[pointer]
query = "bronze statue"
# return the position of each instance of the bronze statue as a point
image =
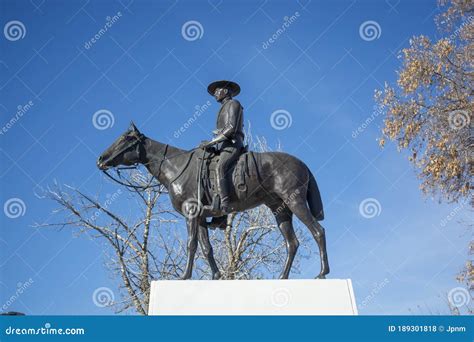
(280, 181)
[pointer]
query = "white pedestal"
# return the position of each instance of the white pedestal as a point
(252, 297)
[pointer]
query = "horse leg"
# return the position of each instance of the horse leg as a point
(284, 220)
(319, 235)
(192, 225)
(299, 207)
(206, 248)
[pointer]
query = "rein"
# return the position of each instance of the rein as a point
(129, 185)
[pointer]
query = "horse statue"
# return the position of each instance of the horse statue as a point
(278, 180)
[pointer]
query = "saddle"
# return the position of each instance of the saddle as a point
(207, 177)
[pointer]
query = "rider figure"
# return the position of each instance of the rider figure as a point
(228, 136)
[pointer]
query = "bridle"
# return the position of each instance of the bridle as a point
(137, 142)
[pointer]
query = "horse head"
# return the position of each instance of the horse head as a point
(126, 150)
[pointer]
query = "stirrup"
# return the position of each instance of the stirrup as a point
(215, 205)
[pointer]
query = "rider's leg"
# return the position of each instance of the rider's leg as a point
(222, 184)
(226, 157)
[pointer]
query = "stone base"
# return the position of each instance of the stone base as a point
(252, 297)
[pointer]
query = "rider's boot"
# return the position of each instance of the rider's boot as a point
(218, 222)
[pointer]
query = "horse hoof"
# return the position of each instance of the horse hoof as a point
(321, 276)
(216, 276)
(184, 277)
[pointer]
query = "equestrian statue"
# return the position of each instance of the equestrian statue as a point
(221, 177)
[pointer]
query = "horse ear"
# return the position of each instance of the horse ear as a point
(133, 127)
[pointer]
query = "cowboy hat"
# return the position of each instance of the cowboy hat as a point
(233, 87)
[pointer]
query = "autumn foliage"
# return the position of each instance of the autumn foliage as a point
(430, 109)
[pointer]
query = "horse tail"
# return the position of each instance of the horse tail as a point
(314, 198)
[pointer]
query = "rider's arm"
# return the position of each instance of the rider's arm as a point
(217, 139)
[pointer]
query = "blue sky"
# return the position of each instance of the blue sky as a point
(320, 70)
